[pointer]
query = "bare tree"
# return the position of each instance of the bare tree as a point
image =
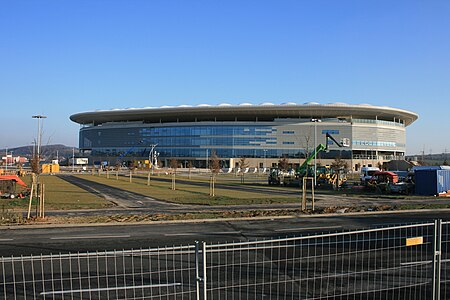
(243, 165)
(307, 142)
(339, 164)
(215, 168)
(340, 168)
(173, 163)
(283, 163)
(190, 165)
(35, 165)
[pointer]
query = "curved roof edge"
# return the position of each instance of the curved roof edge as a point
(264, 110)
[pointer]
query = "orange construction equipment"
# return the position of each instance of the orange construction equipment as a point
(14, 178)
(8, 187)
(384, 176)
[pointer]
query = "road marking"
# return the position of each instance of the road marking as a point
(89, 237)
(308, 228)
(201, 233)
(6, 240)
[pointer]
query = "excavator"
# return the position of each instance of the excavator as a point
(8, 187)
(278, 177)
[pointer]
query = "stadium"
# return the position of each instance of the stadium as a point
(261, 133)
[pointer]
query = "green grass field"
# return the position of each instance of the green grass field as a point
(59, 195)
(190, 194)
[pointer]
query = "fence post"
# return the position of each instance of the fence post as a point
(204, 271)
(197, 272)
(437, 260)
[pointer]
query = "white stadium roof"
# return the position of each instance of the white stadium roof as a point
(244, 112)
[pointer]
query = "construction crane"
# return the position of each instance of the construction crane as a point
(303, 169)
(277, 177)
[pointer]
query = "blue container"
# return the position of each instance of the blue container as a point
(431, 182)
(420, 168)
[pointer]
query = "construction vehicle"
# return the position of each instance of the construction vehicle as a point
(327, 177)
(278, 177)
(367, 174)
(389, 182)
(8, 187)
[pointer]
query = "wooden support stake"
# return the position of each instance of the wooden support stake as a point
(210, 186)
(40, 200)
(37, 198)
(304, 190)
(31, 198)
(173, 182)
(304, 195)
(43, 200)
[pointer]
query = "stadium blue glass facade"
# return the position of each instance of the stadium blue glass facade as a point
(188, 141)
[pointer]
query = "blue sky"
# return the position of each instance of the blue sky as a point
(58, 58)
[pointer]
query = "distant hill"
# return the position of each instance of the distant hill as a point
(47, 151)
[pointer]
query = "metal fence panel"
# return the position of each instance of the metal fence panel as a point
(445, 261)
(399, 262)
(369, 264)
(163, 273)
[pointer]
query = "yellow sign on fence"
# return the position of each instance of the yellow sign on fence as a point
(414, 241)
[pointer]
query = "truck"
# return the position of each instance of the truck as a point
(367, 173)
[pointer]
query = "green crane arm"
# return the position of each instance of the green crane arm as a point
(304, 165)
(321, 147)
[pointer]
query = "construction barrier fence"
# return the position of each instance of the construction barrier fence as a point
(395, 262)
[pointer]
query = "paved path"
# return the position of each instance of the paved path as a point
(123, 199)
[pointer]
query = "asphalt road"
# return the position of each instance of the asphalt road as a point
(23, 240)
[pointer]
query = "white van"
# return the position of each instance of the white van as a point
(367, 173)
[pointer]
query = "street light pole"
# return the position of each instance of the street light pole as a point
(39, 117)
(314, 151)
(315, 156)
(150, 155)
(37, 183)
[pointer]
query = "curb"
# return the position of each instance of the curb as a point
(40, 226)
